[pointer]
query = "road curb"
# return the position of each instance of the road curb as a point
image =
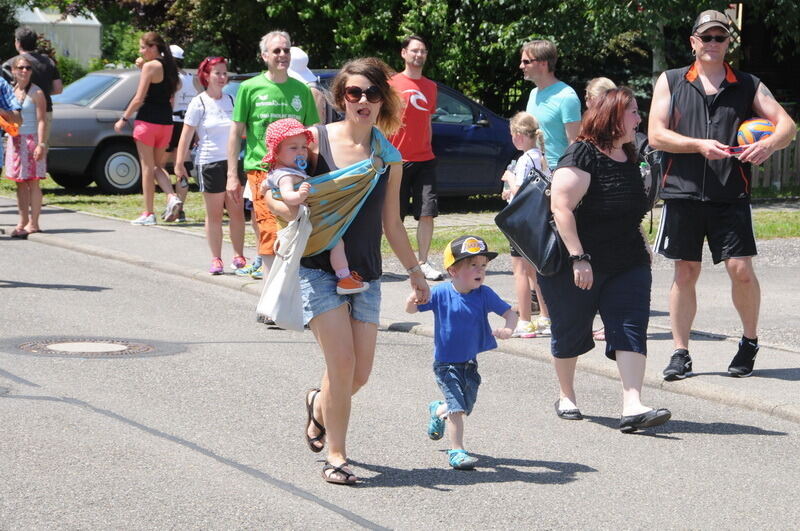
(227, 281)
(703, 390)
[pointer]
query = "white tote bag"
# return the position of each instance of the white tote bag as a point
(280, 298)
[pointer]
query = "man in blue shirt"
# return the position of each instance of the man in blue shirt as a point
(554, 103)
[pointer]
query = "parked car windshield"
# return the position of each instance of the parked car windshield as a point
(84, 90)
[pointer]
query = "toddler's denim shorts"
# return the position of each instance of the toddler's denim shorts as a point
(318, 290)
(459, 383)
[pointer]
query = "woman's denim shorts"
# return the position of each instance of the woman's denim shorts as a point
(318, 290)
(459, 383)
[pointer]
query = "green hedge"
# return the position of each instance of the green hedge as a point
(70, 69)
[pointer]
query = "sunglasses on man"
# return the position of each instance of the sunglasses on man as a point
(715, 38)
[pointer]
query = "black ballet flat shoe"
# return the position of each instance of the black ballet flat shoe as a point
(568, 414)
(648, 419)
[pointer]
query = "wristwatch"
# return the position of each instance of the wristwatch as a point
(579, 257)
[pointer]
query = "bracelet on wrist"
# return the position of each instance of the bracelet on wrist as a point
(580, 258)
(413, 269)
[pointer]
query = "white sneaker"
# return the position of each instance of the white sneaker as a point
(524, 329)
(429, 272)
(145, 219)
(543, 327)
(173, 208)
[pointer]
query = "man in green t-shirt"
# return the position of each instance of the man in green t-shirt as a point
(260, 101)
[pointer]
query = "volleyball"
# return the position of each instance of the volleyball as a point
(754, 130)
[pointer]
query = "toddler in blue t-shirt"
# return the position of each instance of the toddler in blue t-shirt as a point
(461, 308)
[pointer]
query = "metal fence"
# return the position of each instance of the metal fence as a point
(780, 170)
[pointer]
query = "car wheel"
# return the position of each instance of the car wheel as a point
(72, 182)
(117, 169)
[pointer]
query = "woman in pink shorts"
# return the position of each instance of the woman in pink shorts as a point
(152, 129)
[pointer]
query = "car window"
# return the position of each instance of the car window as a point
(450, 110)
(231, 88)
(84, 90)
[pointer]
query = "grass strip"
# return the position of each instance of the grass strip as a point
(768, 224)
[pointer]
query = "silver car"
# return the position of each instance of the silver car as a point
(83, 144)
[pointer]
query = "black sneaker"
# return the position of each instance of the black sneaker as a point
(181, 217)
(680, 365)
(742, 364)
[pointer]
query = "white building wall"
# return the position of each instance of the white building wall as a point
(75, 37)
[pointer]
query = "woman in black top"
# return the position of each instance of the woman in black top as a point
(598, 203)
(346, 327)
(152, 129)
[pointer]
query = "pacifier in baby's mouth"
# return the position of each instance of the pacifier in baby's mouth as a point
(301, 162)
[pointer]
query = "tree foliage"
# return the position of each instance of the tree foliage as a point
(474, 43)
(8, 23)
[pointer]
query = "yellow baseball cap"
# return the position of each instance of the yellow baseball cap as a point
(464, 247)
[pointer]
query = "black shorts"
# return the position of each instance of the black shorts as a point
(213, 177)
(623, 300)
(685, 223)
(513, 250)
(177, 128)
(418, 189)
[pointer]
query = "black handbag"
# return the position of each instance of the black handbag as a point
(528, 223)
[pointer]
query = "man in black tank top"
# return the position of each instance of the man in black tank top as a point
(694, 118)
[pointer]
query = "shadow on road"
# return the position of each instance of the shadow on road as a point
(685, 426)
(75, 231)
(489, 470)
(667, 336)
(71, 287)
(789, 374)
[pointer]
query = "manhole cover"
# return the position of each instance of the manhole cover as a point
(87, 348)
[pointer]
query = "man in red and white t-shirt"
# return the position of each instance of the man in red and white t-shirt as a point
(418, 189)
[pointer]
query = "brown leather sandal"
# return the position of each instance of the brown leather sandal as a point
(329, 472)
(309, 419)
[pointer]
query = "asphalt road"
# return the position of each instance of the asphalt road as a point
(207, 433)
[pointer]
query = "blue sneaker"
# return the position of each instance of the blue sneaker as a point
(461, 460)
(248, 270)
(435, 424)
(258, 274)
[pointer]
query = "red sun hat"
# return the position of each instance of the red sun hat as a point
(280, 130)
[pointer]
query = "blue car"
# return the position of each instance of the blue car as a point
(472, 144)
